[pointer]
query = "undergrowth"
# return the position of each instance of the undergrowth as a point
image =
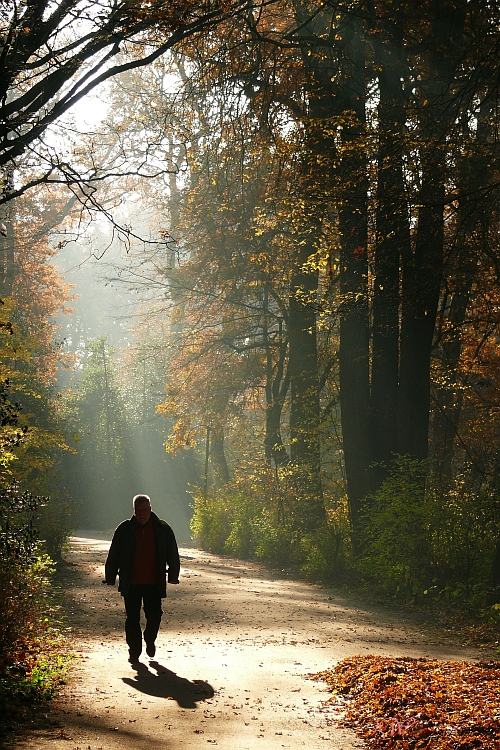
(33, 657)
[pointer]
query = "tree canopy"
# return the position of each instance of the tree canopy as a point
(54, 54)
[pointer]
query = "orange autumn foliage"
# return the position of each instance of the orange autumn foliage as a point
(410, 704)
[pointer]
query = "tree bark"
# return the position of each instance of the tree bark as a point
(304, 393)
(276, 389)
(392, 243)
(303, 365)
(495, 571)
(219, 463)
(354, 360)
(7, 237)
(422, 271)
(473, 217)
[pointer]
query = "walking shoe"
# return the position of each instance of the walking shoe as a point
(133, 656)
(150, 649)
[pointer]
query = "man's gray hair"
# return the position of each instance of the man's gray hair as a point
(141, 499)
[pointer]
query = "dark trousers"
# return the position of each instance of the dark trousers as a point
(150, 596)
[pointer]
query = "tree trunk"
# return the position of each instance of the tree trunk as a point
(422, 272)
(421, 288)
(7, 238)
(219, 463)
(304, 394)
(392, 243)
(474, 217)
(276, 389)
(303, 366)
(354, 365)
(495, 572)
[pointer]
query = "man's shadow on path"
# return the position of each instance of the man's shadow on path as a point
(167, 684)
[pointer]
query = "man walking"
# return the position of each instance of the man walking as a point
(142, 549)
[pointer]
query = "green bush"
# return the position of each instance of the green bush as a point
(23, 601)
(398, 523)
(242, 539)
(211, 521)
(327, 551)
(276, 543)
(258, 517)
(23, 572)
(24, 685)
(464, 536)
(54, 525)
(31, 662)
(247, 519)
(417, 541)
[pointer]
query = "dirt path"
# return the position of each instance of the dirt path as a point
(233, 651)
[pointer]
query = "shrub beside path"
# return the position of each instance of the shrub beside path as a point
(235, 648)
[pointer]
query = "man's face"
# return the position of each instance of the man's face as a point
(142, 512)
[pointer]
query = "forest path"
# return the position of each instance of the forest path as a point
(234, 649)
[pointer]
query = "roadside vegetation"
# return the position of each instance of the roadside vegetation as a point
(420, 550)
(33, 655)
(35, 511)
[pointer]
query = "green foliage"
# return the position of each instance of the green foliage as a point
(243, 537)
(11, 433)
(327, 551)
(237, 520)
(55, 524)
(256, 517)
(44, 676)
(417, 541)
(278, 544)
(211, 521)
(23, 573)
(30, 658)
(18, 535)
(24, 589)
(492, 614)
(97, 472)
(466, 528)
(396, 535)
(98, 409)
(35, 678)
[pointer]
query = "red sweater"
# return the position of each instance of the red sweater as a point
(144, 570)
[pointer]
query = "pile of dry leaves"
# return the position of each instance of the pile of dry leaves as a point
(409, 704)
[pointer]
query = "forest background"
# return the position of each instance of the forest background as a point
(296, 204)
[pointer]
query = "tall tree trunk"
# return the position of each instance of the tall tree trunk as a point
(303, 365)
(305, 448)
(354, 366)
(219, 463)
(7, 238)
(304, 392)
(421, 288)
(392, 242)
(422, 272)
(495, 572)
(276, 389)
(106, 401)
(474, 217)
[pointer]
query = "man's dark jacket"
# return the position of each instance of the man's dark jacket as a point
(120, 559)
